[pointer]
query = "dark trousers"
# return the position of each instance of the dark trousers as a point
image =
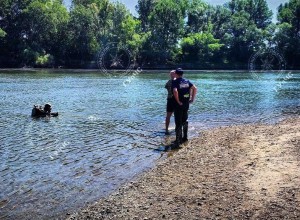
(181, 117)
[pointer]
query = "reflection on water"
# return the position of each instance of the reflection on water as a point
(107, 133)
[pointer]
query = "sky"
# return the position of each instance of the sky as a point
(273, 4)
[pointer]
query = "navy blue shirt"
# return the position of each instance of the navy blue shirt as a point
(183, 87)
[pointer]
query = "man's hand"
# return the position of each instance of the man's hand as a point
(193, 92)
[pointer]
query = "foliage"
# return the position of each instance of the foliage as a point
(43, 24)
(82, 34)
(288, 34)
(45, 33)
(144, 9)
(198, 16)
(199, 47)
(245, 31)
(2, 33)
(166, 26)
(46, 60)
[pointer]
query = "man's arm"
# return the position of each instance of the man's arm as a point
(166, 86)
(193, 92)
(176, 96)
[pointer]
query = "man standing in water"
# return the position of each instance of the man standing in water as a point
(170, 101)
(184, 93)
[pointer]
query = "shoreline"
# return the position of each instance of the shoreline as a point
(76, 70)
(242, 171)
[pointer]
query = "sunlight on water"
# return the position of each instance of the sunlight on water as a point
(107, 133)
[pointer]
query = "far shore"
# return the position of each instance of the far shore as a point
(138, 68)
(237, 172)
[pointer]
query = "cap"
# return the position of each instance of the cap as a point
(179, 71)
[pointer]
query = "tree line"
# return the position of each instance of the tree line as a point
(163, 33)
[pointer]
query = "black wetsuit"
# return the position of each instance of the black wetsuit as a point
(181, 111)
(37, 112)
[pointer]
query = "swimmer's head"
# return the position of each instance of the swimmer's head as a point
(47, 107)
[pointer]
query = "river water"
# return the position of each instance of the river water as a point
(108, 131)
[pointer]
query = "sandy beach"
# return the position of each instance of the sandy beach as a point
(238, 172)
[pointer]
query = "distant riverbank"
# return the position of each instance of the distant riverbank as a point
(147, 70)
(242, 172)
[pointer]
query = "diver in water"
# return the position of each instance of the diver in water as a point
(40, 112)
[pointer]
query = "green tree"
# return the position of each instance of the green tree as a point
(220, 17)
(245, 32)
(11, 22)
(288, 34)
(44, 33)
(259, 13)
(242, 37)
(82, 2)
(198, 16)
(121, 16)
(95, 24)
(129, 35)
(144, 9)
(103, 11)
(44, 23)
(167, 27)
(200, 47)
(82, 31)
(125, 29)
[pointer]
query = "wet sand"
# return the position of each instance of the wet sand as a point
(238, 172)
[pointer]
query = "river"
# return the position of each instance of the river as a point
(110, 128)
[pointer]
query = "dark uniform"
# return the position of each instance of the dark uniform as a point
(181, 111)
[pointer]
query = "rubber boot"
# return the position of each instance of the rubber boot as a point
(178, 140)
(185, 131)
